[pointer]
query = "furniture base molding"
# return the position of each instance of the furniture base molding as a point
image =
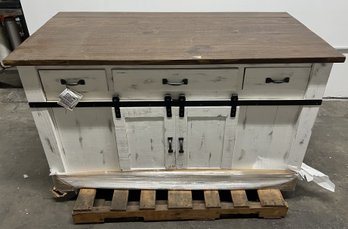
(183, 179)
(98, 205)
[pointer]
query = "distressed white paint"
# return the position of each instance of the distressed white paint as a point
(49, 139)
(95, 87)
(88, 140)
(87, 137)
(31, 83)
(318, 80)
(264, 132)
(218, 83)
(208, 135)
(142, 138)
(302, 135)
(255, 86)
(319, 76)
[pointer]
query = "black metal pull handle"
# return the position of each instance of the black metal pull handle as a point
(285, 80)
(170, 145)
(181, 145)
(72, 82)
(182, 82)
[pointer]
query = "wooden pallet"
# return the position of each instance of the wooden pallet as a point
(96, 206)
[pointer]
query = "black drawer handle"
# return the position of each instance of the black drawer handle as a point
(270, 80)
(170, 145)
(72, 83)
(181, 145)
(182, 82)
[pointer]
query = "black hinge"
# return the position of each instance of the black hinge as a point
(168, 104)
(116, 104)
(182, 100)
(234, 101)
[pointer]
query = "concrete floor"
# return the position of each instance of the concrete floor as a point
(27, 203)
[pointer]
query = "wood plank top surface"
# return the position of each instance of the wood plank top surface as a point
(93, 38)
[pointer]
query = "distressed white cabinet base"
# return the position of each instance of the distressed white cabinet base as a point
(175, 100)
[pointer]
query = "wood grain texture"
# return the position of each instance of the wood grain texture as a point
(271, 197)
(179, 199)
(198, 211)
(147, 199)
(119, 200)
(239, 198)
(85, 200)
(212, 198)
(87, 38)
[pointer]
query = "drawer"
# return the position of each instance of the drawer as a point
(273, 83)
(92, 84)
(217, 83)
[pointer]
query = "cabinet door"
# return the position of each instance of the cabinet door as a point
(142, 138)
(265, 134)
(207, 135)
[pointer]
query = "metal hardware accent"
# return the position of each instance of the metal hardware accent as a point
(270, 80)
(116, 103)
(182, 100)
(72, 83)
(182, 82)
(176, 103)
(181, 145)
(170, 145)
(234, 100)
(168, 104)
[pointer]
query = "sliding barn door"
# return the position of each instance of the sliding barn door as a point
(145, 138)
(205, 137)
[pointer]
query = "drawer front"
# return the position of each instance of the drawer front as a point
(92, 84)
(275, 83)
(194, 83)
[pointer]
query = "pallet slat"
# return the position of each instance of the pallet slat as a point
(239, 198)
(212, 199)
(179, 199)
(270, 197)
(85, 200)
(119, 200)
(179, 205)
(148, 199)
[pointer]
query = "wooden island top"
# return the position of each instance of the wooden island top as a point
(100, 38)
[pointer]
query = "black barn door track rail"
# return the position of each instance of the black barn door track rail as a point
(168, 103)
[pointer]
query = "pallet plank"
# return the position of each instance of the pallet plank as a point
(212, 199)
(271, 197)
(119, 200)
(179, 199)
(179, 206)
(148, 199)
(85, 199)
(239, 198)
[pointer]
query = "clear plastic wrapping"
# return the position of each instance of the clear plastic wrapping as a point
(181, 179)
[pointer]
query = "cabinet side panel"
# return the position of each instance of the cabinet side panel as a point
(318, 80)
(49, 139)
(316, 88)
(302, 135)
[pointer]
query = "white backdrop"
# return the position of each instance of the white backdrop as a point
(329, 19)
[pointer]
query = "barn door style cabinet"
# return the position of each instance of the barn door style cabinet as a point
(184, 100)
